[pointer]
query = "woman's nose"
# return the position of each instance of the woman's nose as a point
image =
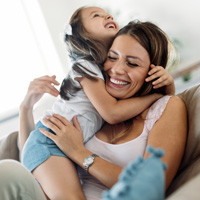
(118, 68)
(109, 17)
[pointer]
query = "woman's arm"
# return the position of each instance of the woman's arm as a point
(169, 133)
(26, 124)
(36, 90)
(112, 110)
(69, 139)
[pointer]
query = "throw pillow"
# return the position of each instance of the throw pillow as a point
(143, 179)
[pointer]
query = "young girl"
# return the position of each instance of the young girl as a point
(83, 94)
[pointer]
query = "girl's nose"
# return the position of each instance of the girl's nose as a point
(109, 17)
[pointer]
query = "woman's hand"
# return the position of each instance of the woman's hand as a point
(163, 78)
(68, 137)
(37, 88)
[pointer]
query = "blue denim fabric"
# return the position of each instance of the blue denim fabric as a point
(39, 148)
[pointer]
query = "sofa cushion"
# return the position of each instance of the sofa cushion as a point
(184, 176)
(190, 165)
(189, 190)
(191, 98)
(8, 147)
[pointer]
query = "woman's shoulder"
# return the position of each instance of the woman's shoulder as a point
(165, 108)
(172, 106)
(176, 99)
(175, 104)
(171, 102)
(167, 102)
(157, 108)
(159, 105)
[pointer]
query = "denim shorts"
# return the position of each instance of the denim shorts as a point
(38, 148)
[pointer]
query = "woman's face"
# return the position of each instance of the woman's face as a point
(99, 24)
(126, 67)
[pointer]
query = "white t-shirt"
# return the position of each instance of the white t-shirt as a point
(79, 105)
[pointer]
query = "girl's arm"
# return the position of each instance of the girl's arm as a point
(112, 110)
(163, 79)
(170, 133)
(36, 90)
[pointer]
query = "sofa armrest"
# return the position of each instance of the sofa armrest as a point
(190, 165)
(8, 147)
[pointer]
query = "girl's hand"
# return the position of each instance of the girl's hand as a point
(37, 88)
(163, 78)
(68, 137)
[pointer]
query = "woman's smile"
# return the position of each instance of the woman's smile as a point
(115, 82)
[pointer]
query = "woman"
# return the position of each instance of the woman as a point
(164, 124)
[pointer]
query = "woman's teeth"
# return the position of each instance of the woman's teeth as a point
(117, 82)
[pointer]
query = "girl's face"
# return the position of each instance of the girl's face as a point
(126, 67)
(99, 24)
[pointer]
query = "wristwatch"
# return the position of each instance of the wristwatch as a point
(88, 161)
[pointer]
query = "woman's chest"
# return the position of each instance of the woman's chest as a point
(118, 154)
(121, 133)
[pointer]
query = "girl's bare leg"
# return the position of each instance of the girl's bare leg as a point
(59, 179)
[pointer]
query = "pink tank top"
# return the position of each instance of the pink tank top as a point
(120, 154)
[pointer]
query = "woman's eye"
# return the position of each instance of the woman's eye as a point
(111, 58)
(132, 64)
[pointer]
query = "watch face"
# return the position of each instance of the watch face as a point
(89, 160)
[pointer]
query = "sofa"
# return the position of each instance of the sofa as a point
(186, 184)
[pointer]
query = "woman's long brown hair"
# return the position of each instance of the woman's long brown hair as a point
(155, 41)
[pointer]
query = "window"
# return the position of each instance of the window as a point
(26, 52)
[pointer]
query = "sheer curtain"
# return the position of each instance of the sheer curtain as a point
(26, 52)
